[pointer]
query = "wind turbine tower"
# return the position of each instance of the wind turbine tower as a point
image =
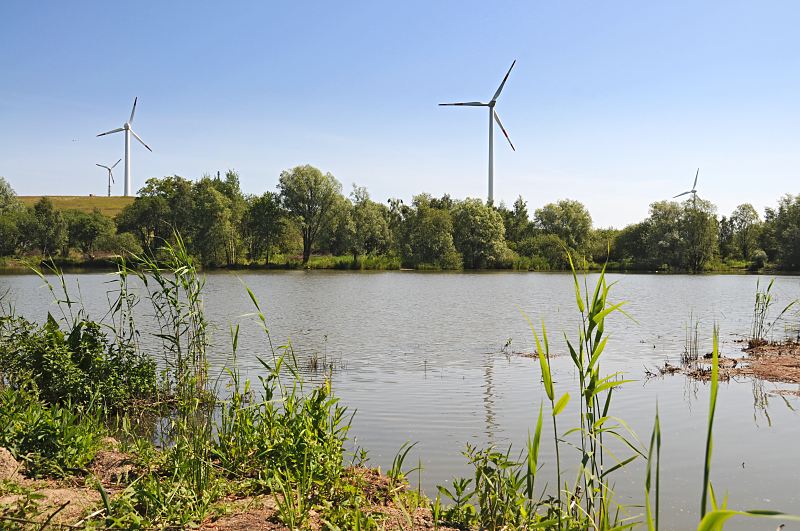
(110, 174)
(493, 117)
(126, 127)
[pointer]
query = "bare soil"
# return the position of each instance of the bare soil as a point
(9, 467)
(774, 362)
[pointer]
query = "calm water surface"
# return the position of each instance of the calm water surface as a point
(420, 357)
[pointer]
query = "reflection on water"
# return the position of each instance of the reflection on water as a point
(488, 402)
(418, 356)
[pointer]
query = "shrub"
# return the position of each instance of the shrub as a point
(55, 440)
(80, 366)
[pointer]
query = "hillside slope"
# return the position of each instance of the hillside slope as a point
(110, 206)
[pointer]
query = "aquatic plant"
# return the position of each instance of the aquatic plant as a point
(691, 345)
(761, 326)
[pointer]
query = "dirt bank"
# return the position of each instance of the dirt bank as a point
(774, 362)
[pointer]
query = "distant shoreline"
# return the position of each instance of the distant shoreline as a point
(13, 266)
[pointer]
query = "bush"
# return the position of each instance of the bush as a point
(81, 366)
(9, 234)
(759, 260)
(123, 243)
(53, 441)
(544, 249)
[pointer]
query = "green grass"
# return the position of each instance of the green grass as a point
(110, 206)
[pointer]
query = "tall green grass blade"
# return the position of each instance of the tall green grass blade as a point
(655, 444)
(715, 520)
(712, 408)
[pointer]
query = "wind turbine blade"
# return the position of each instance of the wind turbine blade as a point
(694, 186)
(115, 164)
(111, 175)
(112, 131)
(468, 104)
(140, 140)
(684, 193)
(106, 167)
(133, 110)
(497, 119)
(500, 88)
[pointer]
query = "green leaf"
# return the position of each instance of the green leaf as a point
(561, 404)
(602, 315)
(608, 385)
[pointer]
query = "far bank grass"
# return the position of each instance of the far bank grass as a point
(109, 206)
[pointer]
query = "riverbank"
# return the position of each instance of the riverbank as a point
(18, 265)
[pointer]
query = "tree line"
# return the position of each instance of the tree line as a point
(309, 217)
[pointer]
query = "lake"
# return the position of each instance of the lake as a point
(420, 357)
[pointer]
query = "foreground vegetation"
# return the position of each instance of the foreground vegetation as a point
(201, 452)
(309, 222)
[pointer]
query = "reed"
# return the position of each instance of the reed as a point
(691, 346)
(761, 326)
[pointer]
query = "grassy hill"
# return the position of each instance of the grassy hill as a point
(110, 206)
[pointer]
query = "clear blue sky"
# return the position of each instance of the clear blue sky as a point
(614, 104)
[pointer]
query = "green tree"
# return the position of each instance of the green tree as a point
(8, 199)
(85, 229)
(429, 236)
(745, 224)
(478, 233)
(567, 219)
(146, 218)
(177, 196)
(700, 232)
(630, 245)
(370, 225)
(337, 236)
(546, 249)
(516, 221)
(727, 247)
(309, 196)
(603, 245)
(215, 241)
(237, 207)
(265, 222)
(786, 227)
(123, 243)
(48, 230)
(664, 237)
(9, 234)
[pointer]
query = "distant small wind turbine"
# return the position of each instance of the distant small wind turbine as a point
(128, 132)
(110, 174)
(492, 118)
(693, 191)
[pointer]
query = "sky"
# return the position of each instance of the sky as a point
(615, 104)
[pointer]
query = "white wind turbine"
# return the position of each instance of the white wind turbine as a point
(110, 174)
(492, 118)
(693, 191)
(128, 132)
